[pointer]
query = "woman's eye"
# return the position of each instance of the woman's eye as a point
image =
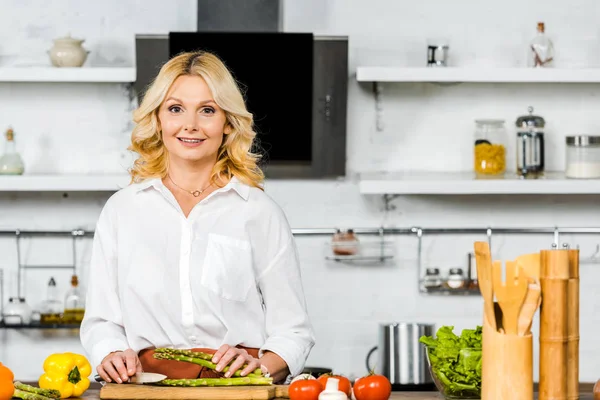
(175, 109)
(208, 110)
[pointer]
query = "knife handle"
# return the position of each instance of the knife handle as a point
(98, 378)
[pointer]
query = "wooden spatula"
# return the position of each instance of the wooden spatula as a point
(529, 307)
(483, 261)
(531, 264)
(510, 295)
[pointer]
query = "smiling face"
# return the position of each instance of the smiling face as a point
(192, 123)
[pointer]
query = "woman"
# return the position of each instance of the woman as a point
(193, 254)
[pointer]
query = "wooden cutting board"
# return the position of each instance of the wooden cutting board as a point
(147, 392)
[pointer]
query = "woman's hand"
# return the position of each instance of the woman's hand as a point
(226, 354)
(118, 366)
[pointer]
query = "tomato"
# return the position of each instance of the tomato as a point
(343, 386)
(305, 389)
(372, 387)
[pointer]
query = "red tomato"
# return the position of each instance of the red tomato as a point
(343, 386)
(372, 387)
(305, 389)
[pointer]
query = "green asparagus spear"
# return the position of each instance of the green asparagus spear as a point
(245, 381)
(189, 353)
(55, 394)
(21, 394)
(208, 364)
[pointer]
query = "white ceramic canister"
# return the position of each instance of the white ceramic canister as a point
(68, 52)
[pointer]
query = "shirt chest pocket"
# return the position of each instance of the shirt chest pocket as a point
(227, 269)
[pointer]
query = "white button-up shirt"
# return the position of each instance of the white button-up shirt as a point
(227, 274)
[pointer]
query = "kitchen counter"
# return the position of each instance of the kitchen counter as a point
(94, 394)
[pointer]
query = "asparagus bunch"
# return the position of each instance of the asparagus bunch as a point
(244, 381)
(199, 358)
(27, 392)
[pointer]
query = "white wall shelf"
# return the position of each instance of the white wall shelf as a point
(63, 183)
(477, 75)
(54, 74)
(465, 183)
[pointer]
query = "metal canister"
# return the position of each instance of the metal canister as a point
(530, 145)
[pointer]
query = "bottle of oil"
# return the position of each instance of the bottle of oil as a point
(52, 308)
(11, 162)
(74, 303)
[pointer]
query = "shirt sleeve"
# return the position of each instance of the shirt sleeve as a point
(289, 331)
(102, 329)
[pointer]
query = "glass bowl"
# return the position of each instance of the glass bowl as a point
(447, 388)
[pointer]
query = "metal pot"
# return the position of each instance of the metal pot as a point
(401, 358)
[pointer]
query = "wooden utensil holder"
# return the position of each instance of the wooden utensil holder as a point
(507, 365)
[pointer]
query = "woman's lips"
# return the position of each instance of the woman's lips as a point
(188, 142)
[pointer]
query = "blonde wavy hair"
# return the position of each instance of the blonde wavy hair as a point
(235, 156)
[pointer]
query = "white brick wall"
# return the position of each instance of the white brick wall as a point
(84, 128)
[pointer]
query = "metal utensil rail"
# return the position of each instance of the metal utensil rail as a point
(380, 231)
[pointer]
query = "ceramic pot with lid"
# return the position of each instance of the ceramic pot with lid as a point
(68, 52)
(530, 145)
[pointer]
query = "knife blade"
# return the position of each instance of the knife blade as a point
(140, 378)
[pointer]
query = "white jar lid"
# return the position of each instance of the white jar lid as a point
(583, 140)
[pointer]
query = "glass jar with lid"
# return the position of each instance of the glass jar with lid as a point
(582, 157)
(456, 279)
(431, 280)
(490, 148)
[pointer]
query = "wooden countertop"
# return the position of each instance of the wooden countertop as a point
(94, 394)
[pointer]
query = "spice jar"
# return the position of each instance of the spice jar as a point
(490, 148)
(456, 279)
(344, 243)
(582, 157)
(530, 145)
(432, 279)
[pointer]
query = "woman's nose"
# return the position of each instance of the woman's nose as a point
(191, 125)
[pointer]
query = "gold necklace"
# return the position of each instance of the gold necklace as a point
(194, 193)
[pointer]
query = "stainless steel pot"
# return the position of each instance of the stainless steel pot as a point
(401, 358)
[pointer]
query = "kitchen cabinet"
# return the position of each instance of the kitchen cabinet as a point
(477, 75)
(66, 75)
(465, 183)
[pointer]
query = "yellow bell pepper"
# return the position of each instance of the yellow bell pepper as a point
(66, 372)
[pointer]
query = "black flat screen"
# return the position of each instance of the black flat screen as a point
(276, 75)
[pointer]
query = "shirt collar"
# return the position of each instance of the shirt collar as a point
(240, 188)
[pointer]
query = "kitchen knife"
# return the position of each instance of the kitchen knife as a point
(139, 378)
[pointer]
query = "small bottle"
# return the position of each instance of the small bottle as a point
(11, 162)
(456, 279)
(332, 391)
(431, 280)
(52, 308)
(344, 243)
(74, 303)
(541, 49)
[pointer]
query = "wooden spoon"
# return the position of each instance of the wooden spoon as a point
(510, 295)
(483, 260)
(529, 307)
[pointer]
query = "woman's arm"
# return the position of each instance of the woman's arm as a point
(273, 362)
(289, 332)
(102, 326)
